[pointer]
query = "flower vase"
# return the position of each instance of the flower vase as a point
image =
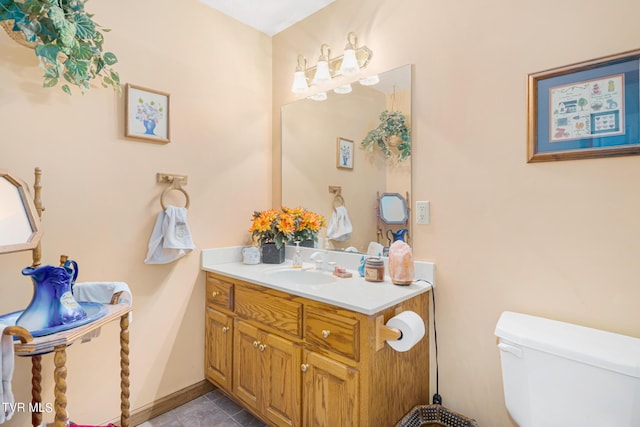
(271, 254)
(309, 243)
(149, 127)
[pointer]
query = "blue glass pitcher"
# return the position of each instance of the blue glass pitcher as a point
(53, 303)
(398, 235)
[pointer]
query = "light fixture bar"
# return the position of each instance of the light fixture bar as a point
(363, 55)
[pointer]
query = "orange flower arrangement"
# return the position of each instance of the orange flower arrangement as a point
(272, 226)
(307, 223)
(285, 224)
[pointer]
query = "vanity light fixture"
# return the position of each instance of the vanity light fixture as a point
(299, 79)
(322, 68)
(353, 61)
(370, 80)
(349, 65)
(344, 89)
(320, 96)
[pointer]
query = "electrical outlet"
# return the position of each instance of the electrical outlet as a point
(422, 212)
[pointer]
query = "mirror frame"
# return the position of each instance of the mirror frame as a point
(401, 200)
(32, 215)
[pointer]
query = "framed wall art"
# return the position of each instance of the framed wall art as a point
(344, 153)
(585, 110)
(146, 114)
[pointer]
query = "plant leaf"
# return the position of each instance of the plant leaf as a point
(48, 51)
(50, 81)
(85, 28)
(65, 89)
(82, 51)
(109, 58)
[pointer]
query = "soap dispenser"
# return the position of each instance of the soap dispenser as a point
(297, 257)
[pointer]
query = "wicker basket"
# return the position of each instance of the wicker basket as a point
(17, 36)
(435, 415)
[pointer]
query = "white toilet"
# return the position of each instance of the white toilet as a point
(564, 375)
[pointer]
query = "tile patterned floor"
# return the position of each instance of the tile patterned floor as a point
(213, 409)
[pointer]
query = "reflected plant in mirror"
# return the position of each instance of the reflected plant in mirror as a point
(392, 134)
(309, 133)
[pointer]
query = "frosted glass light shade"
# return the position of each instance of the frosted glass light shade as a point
(299, 83)
(342, 90)
(370, 80)
(349, 64)
(322, 73)
(320, 96)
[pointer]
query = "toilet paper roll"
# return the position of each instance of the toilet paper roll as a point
(412, 327)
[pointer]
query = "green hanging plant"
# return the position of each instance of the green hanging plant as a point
(66, 41)
(392, 133)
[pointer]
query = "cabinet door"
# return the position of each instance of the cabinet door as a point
(246, 357)
(218, 342)
(330, 390)
(282, 380)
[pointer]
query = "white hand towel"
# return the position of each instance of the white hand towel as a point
(102, 292)
(339, 227)
(6, 392)
(171, 237)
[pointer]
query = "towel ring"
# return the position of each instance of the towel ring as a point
(176, 187)
(338, 201)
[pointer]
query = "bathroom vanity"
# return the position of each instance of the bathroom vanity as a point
(311, 352)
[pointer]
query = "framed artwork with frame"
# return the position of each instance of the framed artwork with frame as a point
(585, 110)
(344, 153)
(146, 114)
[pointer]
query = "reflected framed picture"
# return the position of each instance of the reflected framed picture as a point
(146, 114)
(585, 110)
(344, 153)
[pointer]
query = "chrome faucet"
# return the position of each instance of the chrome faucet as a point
(320, 259)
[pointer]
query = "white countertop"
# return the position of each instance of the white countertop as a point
(352, 293)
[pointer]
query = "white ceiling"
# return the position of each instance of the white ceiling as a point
(268, 16)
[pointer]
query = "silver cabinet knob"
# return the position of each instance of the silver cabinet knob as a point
(215, 294)
(256, 344)
(225, 329)
(304, 367)
(326, 333)
(262, 347)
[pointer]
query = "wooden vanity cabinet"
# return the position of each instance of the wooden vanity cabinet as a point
(331, 395)
(219, 346)
(293, 361)
(267, 374)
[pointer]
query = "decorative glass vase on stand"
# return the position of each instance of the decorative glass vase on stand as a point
(271, 254)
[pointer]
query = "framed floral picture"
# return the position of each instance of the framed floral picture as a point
(146, 114)
(344, 153)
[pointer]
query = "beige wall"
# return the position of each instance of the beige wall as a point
(556, 239)
(100, 192)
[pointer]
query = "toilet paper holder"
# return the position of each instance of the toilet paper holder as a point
(385, 333)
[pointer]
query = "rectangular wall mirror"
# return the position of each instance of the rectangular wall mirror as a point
(310, 131)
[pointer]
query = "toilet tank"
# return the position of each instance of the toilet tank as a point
(559, 374)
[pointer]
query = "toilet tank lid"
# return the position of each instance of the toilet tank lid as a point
(607, 350)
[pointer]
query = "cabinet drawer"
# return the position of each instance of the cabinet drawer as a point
(219, 293)
(270, 311)
(333, 332)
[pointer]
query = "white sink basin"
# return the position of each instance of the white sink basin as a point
(300, 276)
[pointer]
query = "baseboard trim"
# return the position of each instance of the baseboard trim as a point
(167, 403)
